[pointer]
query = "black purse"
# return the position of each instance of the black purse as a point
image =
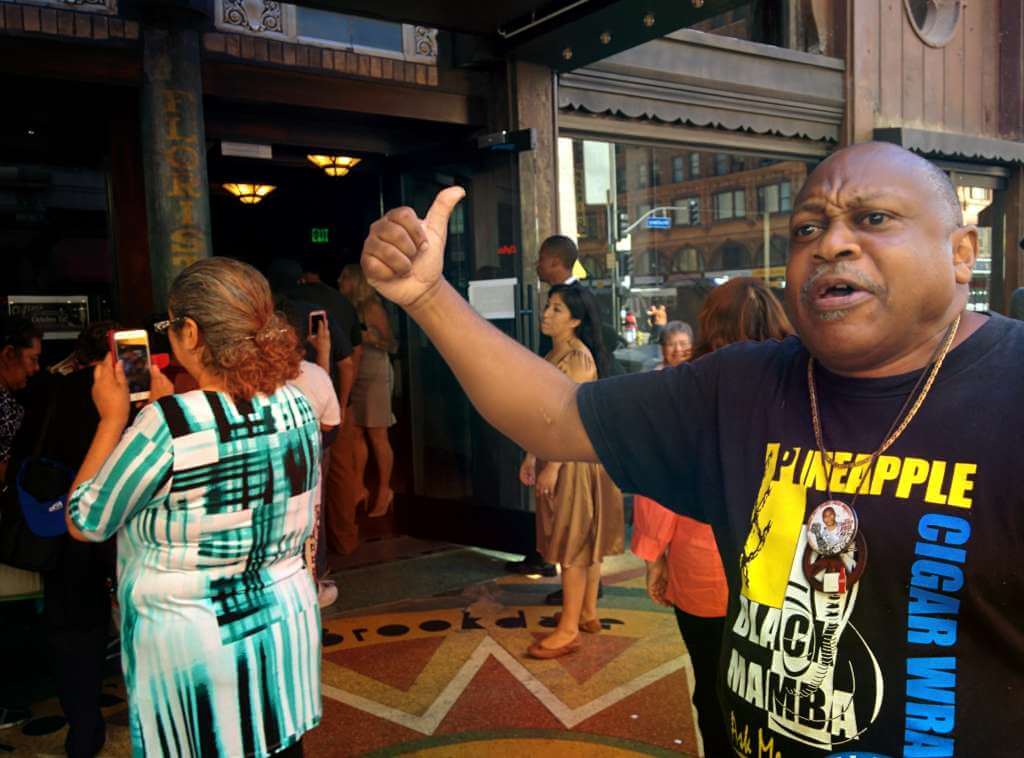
(19, 545)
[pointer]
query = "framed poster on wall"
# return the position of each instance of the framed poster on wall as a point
(61, 317)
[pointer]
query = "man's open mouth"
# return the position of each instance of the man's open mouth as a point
(832, 293)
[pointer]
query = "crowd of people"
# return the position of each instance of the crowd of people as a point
(765, 453)
(204, 506)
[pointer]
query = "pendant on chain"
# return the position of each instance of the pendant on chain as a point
(835, 554)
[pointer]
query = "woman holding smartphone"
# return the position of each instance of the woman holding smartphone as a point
(211, 496)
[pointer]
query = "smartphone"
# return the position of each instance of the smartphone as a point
(132, 349)
(317, 321)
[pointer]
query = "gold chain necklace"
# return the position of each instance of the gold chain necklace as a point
(835, 555)
(898, 426)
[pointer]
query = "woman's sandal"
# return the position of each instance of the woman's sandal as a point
(593, 626)
(536, 650)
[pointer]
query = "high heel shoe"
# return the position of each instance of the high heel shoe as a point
(381, 512)
(363, 500)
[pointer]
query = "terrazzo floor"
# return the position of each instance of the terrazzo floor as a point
(440, 670)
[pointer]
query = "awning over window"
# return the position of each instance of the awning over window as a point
(694, 78)
(954, 145)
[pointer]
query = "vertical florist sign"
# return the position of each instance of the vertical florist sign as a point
(174, 151)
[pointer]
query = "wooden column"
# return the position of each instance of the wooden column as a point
(534, 100)
(174, 150)
(862, 65)
(533, 104)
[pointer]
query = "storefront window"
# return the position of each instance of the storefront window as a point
(812, 26)
(350, 31)
(980, 209)
(671, 243)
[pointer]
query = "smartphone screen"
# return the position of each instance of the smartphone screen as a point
(132, 349)
(317, 320)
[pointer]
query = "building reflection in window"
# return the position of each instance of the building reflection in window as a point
(975, 201)
(713, 215)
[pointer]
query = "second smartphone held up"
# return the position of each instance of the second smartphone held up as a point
(132, 349)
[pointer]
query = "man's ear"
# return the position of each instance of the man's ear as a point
(964, 242)
(8, 353)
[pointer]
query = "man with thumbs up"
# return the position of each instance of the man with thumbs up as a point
(910, 650)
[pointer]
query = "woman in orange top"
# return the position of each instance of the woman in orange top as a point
(684, 568)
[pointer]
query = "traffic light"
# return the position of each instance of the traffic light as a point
(623, 223)
(625, 264)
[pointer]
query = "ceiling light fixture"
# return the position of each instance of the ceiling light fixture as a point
(606, 37)
(649, 20)
(567, 53)
(334, 165)
(249, 194)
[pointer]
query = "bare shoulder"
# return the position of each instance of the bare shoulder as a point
(578, 363)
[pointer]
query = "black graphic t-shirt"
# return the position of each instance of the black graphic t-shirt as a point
(914, 646)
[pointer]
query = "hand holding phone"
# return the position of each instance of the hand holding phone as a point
(110, 392)
(317, 322)
(131, 350)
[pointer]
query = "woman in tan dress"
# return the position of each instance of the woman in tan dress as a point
(370, 406)
(579, 510)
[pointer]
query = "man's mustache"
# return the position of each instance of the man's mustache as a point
(845, 271)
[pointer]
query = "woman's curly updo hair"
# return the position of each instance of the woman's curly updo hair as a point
(244, 341)
(742, 309)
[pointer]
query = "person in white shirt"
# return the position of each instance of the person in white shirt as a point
(315, 383)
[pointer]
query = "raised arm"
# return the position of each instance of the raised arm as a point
(523, 396)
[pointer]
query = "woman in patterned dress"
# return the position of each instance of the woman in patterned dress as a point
(211, 496)
(579, 510)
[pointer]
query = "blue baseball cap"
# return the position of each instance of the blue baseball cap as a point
(42, 493)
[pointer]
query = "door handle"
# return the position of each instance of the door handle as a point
(526, 317)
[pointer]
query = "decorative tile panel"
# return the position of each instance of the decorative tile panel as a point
(420, 43)
(256, 17)
(277, 20)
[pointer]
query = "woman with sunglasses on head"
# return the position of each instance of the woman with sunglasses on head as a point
(579, 509)
(211, 495)
(684, 567)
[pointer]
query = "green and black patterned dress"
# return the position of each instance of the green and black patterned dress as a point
(212, 501)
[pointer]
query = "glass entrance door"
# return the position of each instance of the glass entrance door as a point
(463, 473)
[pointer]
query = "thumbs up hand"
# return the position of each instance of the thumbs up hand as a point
(403, 256)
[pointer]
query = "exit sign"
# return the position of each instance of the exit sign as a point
(320, 235)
